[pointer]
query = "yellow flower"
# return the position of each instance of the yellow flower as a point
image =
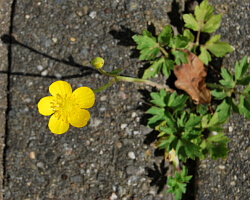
(66, 106)
(97, 62)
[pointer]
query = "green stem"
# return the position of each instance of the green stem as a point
(214, 86)
(164, 52)
(198, 37)
(144, 81)
(111, 82)
(116, 78)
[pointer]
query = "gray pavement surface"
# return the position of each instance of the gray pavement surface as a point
(111, 158)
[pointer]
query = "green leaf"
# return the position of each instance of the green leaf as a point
(148, 46)
(227, 78)
(204, 11)
(241, 68)
(159, 98)
(221, 115)
(202, 109)
(213, 39)
(162, 64)
(177, 184)
(115, 72)
(244, 81)
(218, 94)
(168, 65)
(212, 24)
(179, 42)
(154, 68)
(180, 57)
(244, 106)
(158, 116)
(165, 35)
(186, 149)
(219, 49)
(217, 145)
(177, 101)
(246, 90)
(187, 33)
(148, 34)
(190, 22)
(193, 120)
(204, 56)
(167, 142)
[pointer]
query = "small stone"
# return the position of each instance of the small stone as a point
(230, 129)
(44, 73)
(54, 40)
(123, 126)
(131, 5)
(40, 67)
(72, 39)
(136, 132)
(133, 114)
(79, 13)
(58, 76)
(103, 98)
(222, 167)
(113, 196)
(118, 144)
(27, 16)
(32, 155)
(135, 170)
(85, 10)
(131, 155)
(92, 14)
(232, 183)
(40, 165)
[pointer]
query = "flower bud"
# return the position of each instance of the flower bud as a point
(97, 62)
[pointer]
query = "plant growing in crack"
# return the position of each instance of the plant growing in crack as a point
(189, 118)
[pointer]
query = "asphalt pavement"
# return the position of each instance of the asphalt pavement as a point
(44, 41)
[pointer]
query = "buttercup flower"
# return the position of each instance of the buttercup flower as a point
(66, 107)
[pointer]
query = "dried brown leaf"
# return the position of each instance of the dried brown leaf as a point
(191, 79)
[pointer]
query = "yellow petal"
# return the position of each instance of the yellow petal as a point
(60, 87)
(84, 97)
(44, 106)
(57, 125)
(79, 117)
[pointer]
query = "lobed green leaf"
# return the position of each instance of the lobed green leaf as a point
(165, 35)
(204, 56)
(244, 106)
(212, 24)
(219, 49)
(179, 42)
(187, 33)
(219, 94)
(220, 116)
(190, 22)
(204, 11)
(177, 184)
(217, 145)
(180, 57)
(147, 45)
(227, 78)
(241, 68)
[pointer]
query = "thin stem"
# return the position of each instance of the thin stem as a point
(144, 81)
(164, 52)
(198, 37)
(214, 86)
(111, 82)
(116, 78)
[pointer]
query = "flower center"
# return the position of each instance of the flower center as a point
(62, 106)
